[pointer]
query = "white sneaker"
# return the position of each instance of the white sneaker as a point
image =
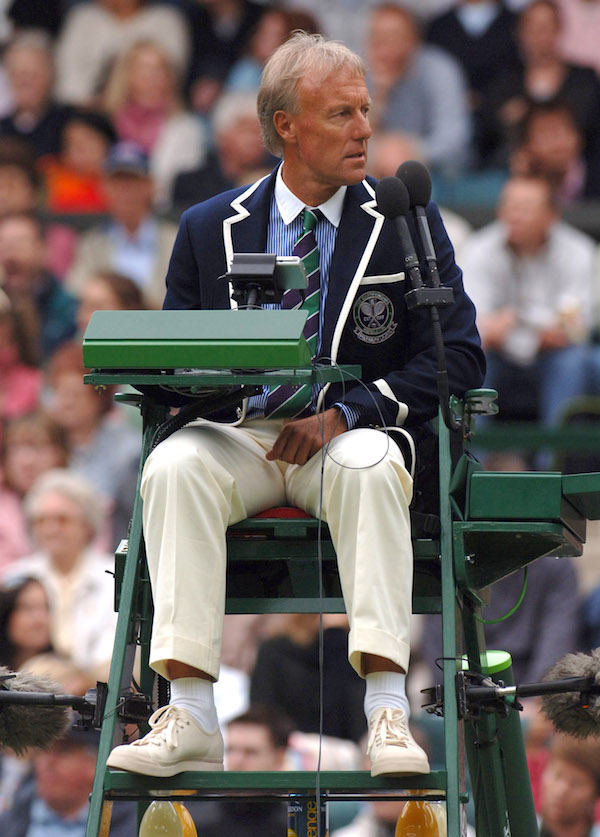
(391, 747)
(176, 742)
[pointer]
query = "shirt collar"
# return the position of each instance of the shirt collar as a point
(290, 206)
(42, 814)
(145, 235)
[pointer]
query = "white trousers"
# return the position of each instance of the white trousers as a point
(207, 476)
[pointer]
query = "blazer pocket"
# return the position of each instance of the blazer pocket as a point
(383, 279)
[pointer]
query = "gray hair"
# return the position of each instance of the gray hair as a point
(299, 56)
(72, 485)
(230, 108)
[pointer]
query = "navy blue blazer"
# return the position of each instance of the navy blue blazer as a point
(366, 320)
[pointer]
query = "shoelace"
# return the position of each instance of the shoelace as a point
(392, 723)
(164, 723)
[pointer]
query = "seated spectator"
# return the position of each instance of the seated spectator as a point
(255, 740)
(107, 291)
(272, 29)
(480, 35)
(543, 77)
(387, 150)
(220, 33)
(21, 191)
(66, 517)
(60, 670)
(31, 445)
(55, 800)
(20, 379)
(239, 156)
(570, 788)
(143, 97)
(417, 89)
(35, 117)
(45, 309)
(348, 20)
(24, 622)
(102, 445)
(73, 178)
(95, 32)
(580, 30)
(133, 241)
(286, 677)
(20, 181)
(550, 144)
(532, 278)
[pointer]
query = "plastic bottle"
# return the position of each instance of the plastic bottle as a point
(187, 823)
(161, 818)
(419, 819)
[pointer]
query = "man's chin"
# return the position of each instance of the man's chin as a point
(355, 172)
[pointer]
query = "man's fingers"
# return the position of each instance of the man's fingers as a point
(302, 438)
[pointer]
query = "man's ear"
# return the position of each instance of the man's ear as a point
(285, 125)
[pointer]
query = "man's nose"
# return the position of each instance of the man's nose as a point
(362, 129)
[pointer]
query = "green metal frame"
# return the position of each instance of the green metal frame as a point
(450, 577)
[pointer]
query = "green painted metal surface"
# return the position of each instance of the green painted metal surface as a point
(583, 492)
(205, 339)
(340, 783)
(471, 554)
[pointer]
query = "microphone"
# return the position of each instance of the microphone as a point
(417, 180)
(575, 712)
(393, 201)
(570, 694)
(34, 711)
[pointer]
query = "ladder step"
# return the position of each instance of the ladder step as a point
(334, 784)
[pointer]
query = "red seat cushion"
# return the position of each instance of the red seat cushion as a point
(283, 512)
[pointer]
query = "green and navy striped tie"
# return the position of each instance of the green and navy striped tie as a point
(286, 400)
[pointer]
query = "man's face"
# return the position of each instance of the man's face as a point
(326, 141)
(249, 747)
(393, 40)
(241, 144)
(129, 197)
(64, 776)
(526, 212)
(568, 794)
(553, 142)
(59, 526)
(22, 253)
(30, 76)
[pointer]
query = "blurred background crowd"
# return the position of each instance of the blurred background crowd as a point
(115, 116)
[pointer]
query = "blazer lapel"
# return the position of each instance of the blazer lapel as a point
(356, 238)
(245, 230)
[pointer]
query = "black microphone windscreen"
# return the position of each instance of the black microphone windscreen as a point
(417, 180)
(24, 726)
(392, 197)
(566, 710)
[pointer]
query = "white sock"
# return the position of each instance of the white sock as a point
(386, 689)
(197, 696)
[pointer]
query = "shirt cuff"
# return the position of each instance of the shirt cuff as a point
(351, 414)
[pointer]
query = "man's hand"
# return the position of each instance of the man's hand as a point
(302, 438)
(496, 327)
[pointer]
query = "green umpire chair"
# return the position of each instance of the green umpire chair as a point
(487, 526)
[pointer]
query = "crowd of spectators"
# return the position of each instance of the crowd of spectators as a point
(117, 115)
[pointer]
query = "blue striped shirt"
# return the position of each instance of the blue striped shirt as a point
(285, 227)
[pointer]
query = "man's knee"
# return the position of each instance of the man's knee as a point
(177, 456)
(365, 448)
